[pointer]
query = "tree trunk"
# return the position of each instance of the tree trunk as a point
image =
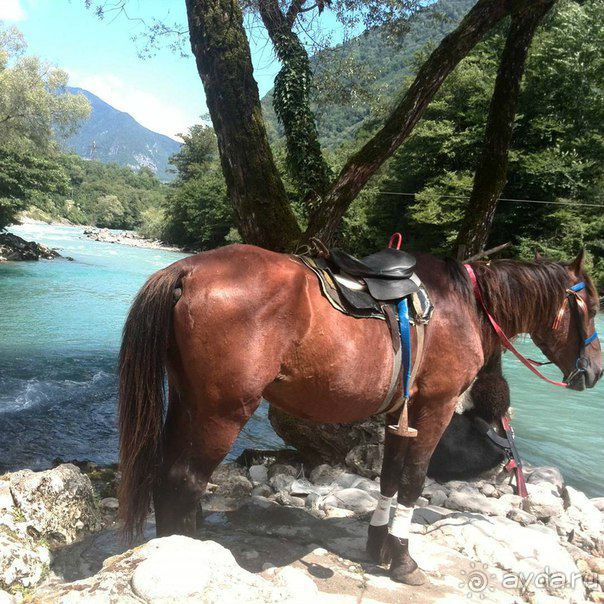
(485, 14)
(491, 173)
(291, 100)
(222, 53)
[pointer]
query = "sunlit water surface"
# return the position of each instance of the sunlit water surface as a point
(60, 326)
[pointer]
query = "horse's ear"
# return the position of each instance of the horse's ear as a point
(538, 256)
(577, 265)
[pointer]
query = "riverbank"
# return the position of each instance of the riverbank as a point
(119, 236)
(276, 531)
(130, 238)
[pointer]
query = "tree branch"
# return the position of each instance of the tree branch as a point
(491, 174)
(364, 164)
(489, 252)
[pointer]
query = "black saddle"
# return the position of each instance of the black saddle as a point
(388, 273)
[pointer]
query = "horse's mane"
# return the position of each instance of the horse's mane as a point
(518, 294)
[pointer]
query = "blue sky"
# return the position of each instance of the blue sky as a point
(164, 93)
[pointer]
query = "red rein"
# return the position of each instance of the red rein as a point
(504, 339)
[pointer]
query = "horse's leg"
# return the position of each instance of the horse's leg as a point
(197, 438)
(430, 423)
(395, 448)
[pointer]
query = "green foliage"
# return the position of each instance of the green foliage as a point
(557, 153)
(33, 105)
(196, 213)
(106, 195)
(22, 175)
(33, 101)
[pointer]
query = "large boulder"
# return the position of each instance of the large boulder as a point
(326, 443)
(177, 569)
(13, 247)
(57, 505)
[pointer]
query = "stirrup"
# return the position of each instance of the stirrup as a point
(402, 428)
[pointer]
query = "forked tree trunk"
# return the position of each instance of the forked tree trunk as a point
(222, 53)
(491, 174)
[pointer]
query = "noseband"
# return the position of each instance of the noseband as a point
(577, 306)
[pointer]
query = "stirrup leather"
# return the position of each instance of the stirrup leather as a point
(403, 428)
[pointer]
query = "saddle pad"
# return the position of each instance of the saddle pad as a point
(358, 304)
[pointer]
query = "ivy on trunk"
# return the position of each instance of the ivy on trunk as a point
(222, 54)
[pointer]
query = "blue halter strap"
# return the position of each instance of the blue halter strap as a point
(577, 287)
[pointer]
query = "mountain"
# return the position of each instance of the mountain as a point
(384, 66)
(110, 135)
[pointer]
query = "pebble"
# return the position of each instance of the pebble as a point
(258, 474)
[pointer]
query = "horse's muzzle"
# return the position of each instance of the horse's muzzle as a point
(584, 378)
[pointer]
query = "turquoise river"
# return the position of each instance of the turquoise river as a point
(60, 325)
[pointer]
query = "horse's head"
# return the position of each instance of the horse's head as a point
(571, 341)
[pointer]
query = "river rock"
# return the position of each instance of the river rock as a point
(366, 460)
(13, 247)
(586, 519)
(170, 569)
(521, 517)
(258, 474)
(282, 468)
(57, 504)
(325, 443)
(231, 480)
(6, 598)
(438, 498)
(262, 490)
(281, 482)
(475, 502)
(325, 474)
(355, 500)
(525, 554)
(488, 489)
(226, 471)
(541, 501)
(546, 474)
(23, 563)
(295, 585)
(598, 503)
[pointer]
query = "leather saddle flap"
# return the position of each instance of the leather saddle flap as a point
(385, 264)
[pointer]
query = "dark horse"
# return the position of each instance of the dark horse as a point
(239, 323)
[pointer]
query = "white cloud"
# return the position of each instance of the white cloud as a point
(145, 107)
(11, 10)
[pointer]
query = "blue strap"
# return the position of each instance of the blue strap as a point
(577, 287)
(405, 329)
(591, 338)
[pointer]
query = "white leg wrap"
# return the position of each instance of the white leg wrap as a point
(381, 516)
(402, 521)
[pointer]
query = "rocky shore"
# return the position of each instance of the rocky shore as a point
(130, 238)
(277, 531)
(13, 247)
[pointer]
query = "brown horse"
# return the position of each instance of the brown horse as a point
(236, 324)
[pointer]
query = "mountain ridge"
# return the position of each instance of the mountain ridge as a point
(111, 135)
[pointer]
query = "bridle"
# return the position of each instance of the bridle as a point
(577, 305)
(579, 310)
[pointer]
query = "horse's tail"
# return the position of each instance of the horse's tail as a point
(142, 364)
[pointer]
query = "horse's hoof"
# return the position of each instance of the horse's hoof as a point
(377, 545)
(415, 577)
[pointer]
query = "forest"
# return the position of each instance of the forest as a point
(551, 202)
